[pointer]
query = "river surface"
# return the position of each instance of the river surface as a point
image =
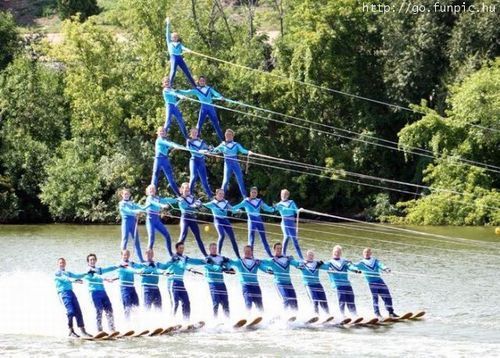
(454, 279)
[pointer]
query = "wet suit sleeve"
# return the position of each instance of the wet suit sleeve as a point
(108, 269)
(239, 206)
(242, 149)
(267, 208)
(216, 94)
(196, 262)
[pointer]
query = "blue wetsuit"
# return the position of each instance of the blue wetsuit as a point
(371, 269)
(153, 207)
(175, 49)
(99, 296)
(222, 224)
(162, 163)
(68, 298)
(280, 267)
(150, 276)
(197, 168)
(128, 212)
(214, 268)
(171, 109)
(288, 211)
(206, 95)
(178, 293)
(338, 274)
(188, 206)
(230, 150)
(310, 278)
(130, 300)
(253, 208)
(247, 269)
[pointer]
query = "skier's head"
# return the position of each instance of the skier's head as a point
(337, 252)
(125, 255)
(277, 248)
(285, 194)
(219, 194)
(212, 248)
(91, 259)
(165, 82)
(193, 133)
(229, 135)
(202, 81)
(248, 252)
(61, 262)
(253, 192)
(367, 253)
(176, 37)
(151, 190)
(310, 255)
(179, 248)
(161, 132)
(185, 191)
(125, 194)
(150, 254)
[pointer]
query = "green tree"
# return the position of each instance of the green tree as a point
(9, 38)
(474, 101)
(35, 119)
(85, 8)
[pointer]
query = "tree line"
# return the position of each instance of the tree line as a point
(78, 118)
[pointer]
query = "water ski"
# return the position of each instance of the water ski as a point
(126, 334)
(254, 322)
(372, 321)
(418, 315)
(347, 320)
(171, 329)
(193, 326)
(405, 316)
(99, 335)
(110, 336)
(292, 319)
(357, 320)
(312, 320)
(141, 333)
(240, 323)
(388, 320)
(155, 332)
(327, 320)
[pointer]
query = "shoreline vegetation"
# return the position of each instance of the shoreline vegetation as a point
(80, 103)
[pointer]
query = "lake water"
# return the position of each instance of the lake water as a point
(454, 279)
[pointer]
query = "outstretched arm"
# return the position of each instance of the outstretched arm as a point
(267, 208)
(216, 95)
(243, 150)
(239, 206)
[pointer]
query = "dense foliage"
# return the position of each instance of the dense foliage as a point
(79, 120)
(85, 8)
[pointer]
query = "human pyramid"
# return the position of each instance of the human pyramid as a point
(215, 266)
